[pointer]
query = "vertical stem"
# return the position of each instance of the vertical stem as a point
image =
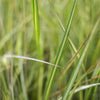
(39, 48)
(25, 44)
(12, 89)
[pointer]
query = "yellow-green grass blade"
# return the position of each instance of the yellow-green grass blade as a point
(39, 48)
(36, 24)
(78, 65)
(59, 53)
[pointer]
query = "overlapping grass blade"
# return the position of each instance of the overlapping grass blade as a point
(95, 73)
(75, 85)
(70, 43)
(77, 67)
(63, 29)
(76, 55)
(84, 75)
(59, 53)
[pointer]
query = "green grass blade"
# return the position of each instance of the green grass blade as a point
(39, 48)
(59, 53)
(63, 29)
(77, 67)
(36, 23)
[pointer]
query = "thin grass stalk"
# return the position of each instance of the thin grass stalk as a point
(12, 71)
(25, 42)
(10, 45)
(78, 65)
(39, 48)
(59, 53)
(21, 68)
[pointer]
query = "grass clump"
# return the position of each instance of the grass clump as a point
(54, 61)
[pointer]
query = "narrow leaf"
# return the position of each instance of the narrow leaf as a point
(59, 53)
(28, 58)
(78, 65)
(85, 87)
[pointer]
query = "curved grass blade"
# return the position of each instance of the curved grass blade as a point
(85, 87)
(28, 58)
(78, 65)
(59, 53)
(61, 90)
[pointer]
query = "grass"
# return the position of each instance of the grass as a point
(57, 46)
(38, 44)
(59, 54)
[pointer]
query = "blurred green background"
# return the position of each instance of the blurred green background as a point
(17, 36)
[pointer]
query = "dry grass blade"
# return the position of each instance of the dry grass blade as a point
(73, 59)
(28, 58)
